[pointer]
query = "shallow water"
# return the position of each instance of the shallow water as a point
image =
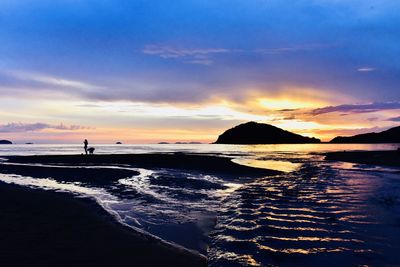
(319, 213)
(314, 213)
(241, 150)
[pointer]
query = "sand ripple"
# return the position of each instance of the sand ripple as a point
(307, 217)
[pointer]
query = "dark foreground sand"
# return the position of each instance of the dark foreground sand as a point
(43, 228)
(383, 158)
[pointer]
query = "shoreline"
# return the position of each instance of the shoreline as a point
(47, 228)
(379, 158)
(80, 228)
(50, 228)
(202, 163)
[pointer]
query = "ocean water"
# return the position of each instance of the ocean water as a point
(316, 213)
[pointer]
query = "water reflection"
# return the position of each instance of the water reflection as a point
(279, 165)
(314, 213)
(303, 217)
(57, 149)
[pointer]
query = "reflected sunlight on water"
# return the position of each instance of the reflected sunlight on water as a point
(279, 165)
(55, 149)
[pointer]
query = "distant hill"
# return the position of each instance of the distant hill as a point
(261, 133)
(389, 136)
(5, 142)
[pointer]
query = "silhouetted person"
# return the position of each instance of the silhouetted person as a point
(86, 145)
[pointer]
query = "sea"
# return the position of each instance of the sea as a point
(315, 213)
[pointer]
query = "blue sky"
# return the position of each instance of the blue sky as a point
(78, 62)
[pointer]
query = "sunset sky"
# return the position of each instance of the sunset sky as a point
(150, 71)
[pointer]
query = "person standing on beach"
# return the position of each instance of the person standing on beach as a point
(86, 145)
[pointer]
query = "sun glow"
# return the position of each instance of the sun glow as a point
(284, 104)
(299, 124)
(142, 122)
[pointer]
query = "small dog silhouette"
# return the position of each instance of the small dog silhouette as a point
(91, 150)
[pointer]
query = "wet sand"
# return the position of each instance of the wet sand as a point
(201, 163)
(382, 158)
(46, 228)
(307, 217)
(95, 176)
(43, 228)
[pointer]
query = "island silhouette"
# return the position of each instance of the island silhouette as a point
(261, 133)
(389, 136)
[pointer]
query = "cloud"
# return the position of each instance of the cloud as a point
(14, 127)
(200, 61)
(373, 119)
(30, 84)
(169, 52)
(366, 69)
(288, 109)
(292, 49)
(51, 80)
(357, 108)
(200, 56)
(394, 119)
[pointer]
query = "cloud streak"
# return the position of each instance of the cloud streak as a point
(50, 80)
(366, 69)
(396, 119)
(169, 52)
(15, 127)
(204, 55)
(357, 108)
(201, 56)
(292, 49)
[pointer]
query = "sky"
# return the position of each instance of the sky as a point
(186, 70)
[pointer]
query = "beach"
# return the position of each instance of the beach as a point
(43, 228)
(200, 209)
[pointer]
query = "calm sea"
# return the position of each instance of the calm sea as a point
(54, 149)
